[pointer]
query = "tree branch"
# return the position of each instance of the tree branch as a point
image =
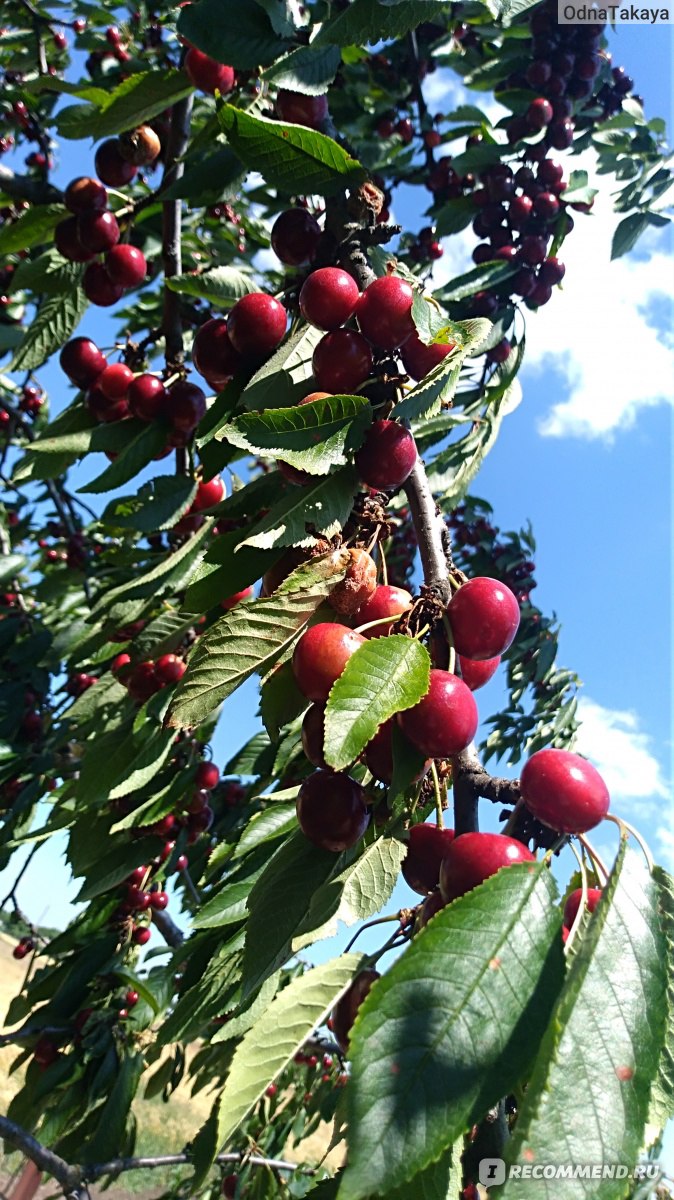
(471, 781)
(69, 1177)
(27, 187)
(167, 928)
(172, 326)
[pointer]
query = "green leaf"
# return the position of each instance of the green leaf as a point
(451, 1027)
(385, 676)
(237, 32)
(33, 228)
(441, 1180)
(313, 437)
(48, 274)
(208, 178)
(227, 568)
(281, 700)
(134, 101)
(318, 509)
(306, 70)
(263, 827)
(282, 380)
(54, 324)
(228, 907)
(250, 637)
(171, 573)
(628, 233)
(439, 386)
(662, 1093)
(357, 893)
(114, 867)
(10, 565)
(290, 158)
(275, 1038)
(158, 505)
(139, 451)
(222, 285)
(366, 21)
(474, 280)
(454, 216)
(109, 1133)
(602, 1047)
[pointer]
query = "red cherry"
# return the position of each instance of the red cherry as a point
(181, 862)
(82, 361)
(444, 722)
(294, 237)
(114, 381)
(229, 1186)
(184, 406)
(549, 171)
(146, 397)
(209, 494)
(137, 899)
(207, 74)
(98, 286)
(159, 900)
(271, 1090)
(320, 657)
(385, 601)
(202, 820)
(213, 354)
(573, 903)
(131, 998)
(111, 167)
(474, 857)
(539, 113)
(342, 362)
(331, 811)
(546, 206)
(313, 733)
(97, 231)
(419, 360)
(142, 682)
(126, 265)
(560, 134)
(141, 935)
(564, 791)
(169, 668)
(45, 1052)
(328, 298)
(119, 663)
(551, 271)
(532, 249)
(207, 776)
(256, 325)
(484, 616)
(231, 601)
(85, 195)
(379, 753)
(387, 455)
(405, 130)
(67, 241)
(476, 674)
(500, 352)
(345, 1011)
(385, 312)
(137, 876)
(104, 409)
(426, 849)
(519, 211)
(298, 109)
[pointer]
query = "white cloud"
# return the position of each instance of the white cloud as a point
(622, 753)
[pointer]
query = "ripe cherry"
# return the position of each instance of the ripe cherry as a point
(551, 271)
(476, 674)
(229, 1186)
(532, 249)
(131, 998)
(114, 381)
(328, 298)
(573, 903)
(298, 109)
(444, 722)
(426, 849)
(385, 601)
(560, 134)
(169, 668)
(146, 397)
(432, 904)
(378, 755)
(119, 664)
(159, 901)
(294, 237)
(85, 194)
(331, 810)
(346, 1009)
(387, 455)
(474, 857)
(342, 362)
(67, 241)
(564, 791)
(313, 733)
(385, 312)
(546, 206)
(230, 602)
(111, 168)
(207, 74)
(126, 265)
(45, 1051)
(539, 113)
(209, 494)
(207, 776)
(484, 616)
(141, 935)
(320, 657)
(185, 405)
(357, 586)
(137, 899)
(98, 231)
(256, 325)
(213, 354)
(419, 360)
(82, 361)
(142, 682)
(98, 286)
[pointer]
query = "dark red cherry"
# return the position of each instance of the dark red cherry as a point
(256, 325)
(294, 236)
(98, 286)
(474, 857)
(313, 733)
(426, 848)
(82, 361)
(85, 195)
(185, 405)
(207, 74)
(328, 298)
(387, 456)
(146, 397)
(342, 361)
(97, 231)
(346, 1009)
(331, 811)
(126, 265)
(207, 776)
(213, 354)
(67, 241)
(484, 616)
(298, 109)
(111, 167)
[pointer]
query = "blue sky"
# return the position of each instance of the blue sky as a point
(587, 457)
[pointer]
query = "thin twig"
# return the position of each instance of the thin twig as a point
(172, 326)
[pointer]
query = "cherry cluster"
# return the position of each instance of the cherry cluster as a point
(93, 230)
(256, 325)
(145, 679)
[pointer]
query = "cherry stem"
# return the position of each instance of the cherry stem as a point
(512, 819)
(370, 925)
(597, 861)
(451, 664)
(373, 624)
(583, 901)
(382, 563)
(625, 825)
(438, 797)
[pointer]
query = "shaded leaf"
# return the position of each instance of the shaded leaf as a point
(306, 70)
(140, 450)
(318, 509)
(56, 320)
(224, 285)
(357, 893)
(236, 32)
(33, 228)
(134, 101)
(158, 505)
(364, 21)
(282, 380)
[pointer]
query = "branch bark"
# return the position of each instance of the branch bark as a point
(26, 187)
(172, 326)
(167, 928)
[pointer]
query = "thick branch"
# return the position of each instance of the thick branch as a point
(167, 928)
(26, 187)
(471, 781)
(430, 530)
(69, 1177)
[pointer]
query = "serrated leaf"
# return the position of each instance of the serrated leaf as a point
(364, 21)
(451, 1027)
(33, 228)
(248, 1014)
(602, 1047)
(249, 638)
(55, 322)
(109, 1133)
(281, 700)
(454, 216)
(237, 32)
(227, 568)
(224, 285)
(208, 178)
(318, 509)
(134, 101)
(661, 1108)
(306, 70)
(173, 569)
(140, 450)
(275, 1038)
(274, 822)
(228, 907)
(476, 279)
(628, 233)
(383, 677)
(282, 380)
(158, 505)
(439, 386)
(49, 273)
(355, 894)
(313, 437)
(291, 158)
(115, 866)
